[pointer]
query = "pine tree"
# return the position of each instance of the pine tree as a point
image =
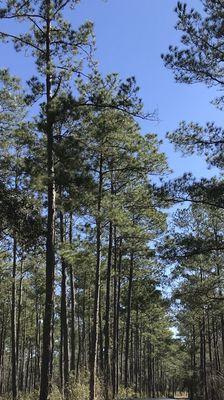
(53, 44)
(199, 60)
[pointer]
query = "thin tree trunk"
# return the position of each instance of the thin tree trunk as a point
(115, 323)
(13, 325)
(128, 320)
(52, 347)
(2, 349)
(119, 376)
(19, 307)
(64, 322)
(94, 344)
(107, 315)
(37, 344)
(79, 336)
(23, 361)
(50, 251)
(210, 358)
(101, 346)
(72, 296)
(83, 352)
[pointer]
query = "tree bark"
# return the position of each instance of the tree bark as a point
(50, 243)
(13, 325)
(128, 321)
(94, 341)
(107, 315)
(64, 322)
(72, 298)
(115, 322)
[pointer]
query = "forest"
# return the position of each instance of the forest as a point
(111, 269)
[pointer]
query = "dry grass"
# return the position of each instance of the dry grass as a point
(78, 389)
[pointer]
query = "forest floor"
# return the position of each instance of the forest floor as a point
(161, 398)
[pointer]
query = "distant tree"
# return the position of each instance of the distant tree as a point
(194, 247)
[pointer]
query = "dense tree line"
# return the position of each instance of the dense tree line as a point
(79, 218)
(86, 245)
(194, 244)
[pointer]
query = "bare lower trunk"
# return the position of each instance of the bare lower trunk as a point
(13, 325)
(72, 299)
(107, 316)
(115, 323)
(95, 329)
(128, 321)
(64, 322)
(50, 251)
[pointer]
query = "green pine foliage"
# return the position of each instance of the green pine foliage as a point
(102, 296)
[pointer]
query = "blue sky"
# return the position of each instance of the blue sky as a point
(130, 37)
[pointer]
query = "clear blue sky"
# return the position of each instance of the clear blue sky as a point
(130, 37)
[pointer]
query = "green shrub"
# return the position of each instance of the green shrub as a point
(78, 389)
(55, 393)
(126, 393)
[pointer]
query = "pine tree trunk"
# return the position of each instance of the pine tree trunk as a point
(23, 361)
(2, 349)
(83, 351)
(79, 337)
(210, 358)
(50, 251)
(13, 325)
(94, 341)
(19, 307)
(72, 297)
(115, 323)
(119, 361)
(37, 345)
(107, 315)
(101, 344)
(64, 322)
(128, 321)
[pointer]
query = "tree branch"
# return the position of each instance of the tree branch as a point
(25, 15)
(17, 38)
(61, 7)
(148, 117)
